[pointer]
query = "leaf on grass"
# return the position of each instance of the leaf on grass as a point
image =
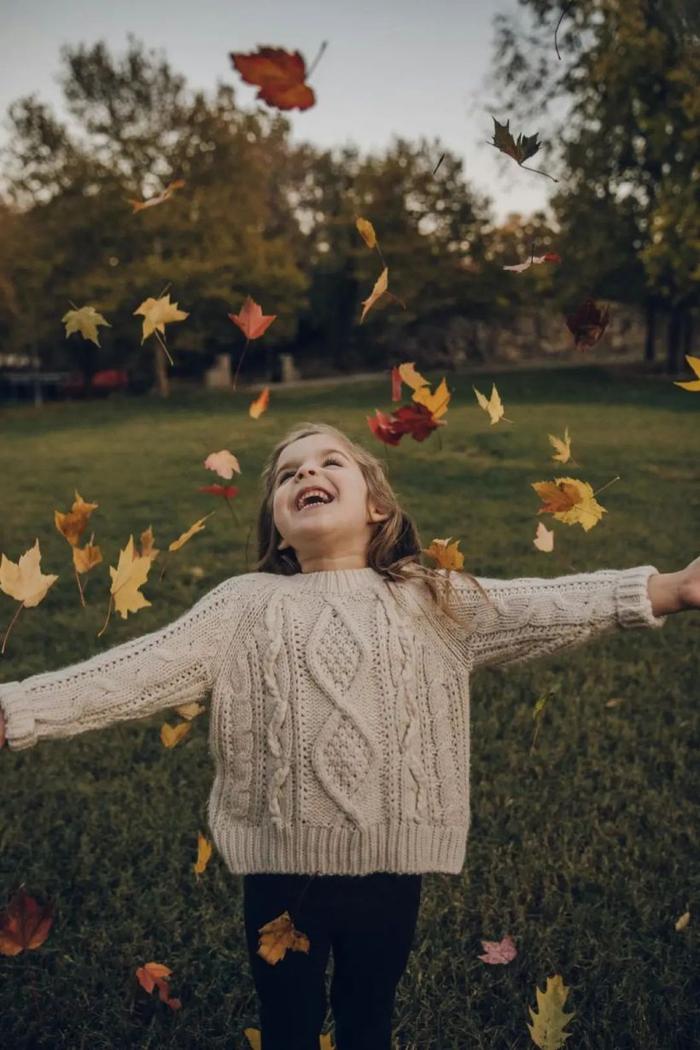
(157, 313)
(544, 538)
(547, 1030)
(570, 501)
(165, 195)
(24, 580)
(366, 232)
(85, 320)
(691, 384)
(498, 952)
(197, 527)
(548, 257)
(588, 323)
(73, 524)
(257, 407)
(172, 735)
(278, 74)
(130, 574)
(446, 554)
(222, 463)
(683, 921)
(279, 936)
(254, 1037)
(153, 975)
(204, 850)
(24, 924)
(251, 320)
(563, 448)
(381, 286)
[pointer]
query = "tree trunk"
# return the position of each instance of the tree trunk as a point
(650, 340)
(675, 327)
(161, 370)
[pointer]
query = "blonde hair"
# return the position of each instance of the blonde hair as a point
(395, 548)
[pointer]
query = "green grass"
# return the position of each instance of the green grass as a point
(585, 850)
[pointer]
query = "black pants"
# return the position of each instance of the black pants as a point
(368, 920)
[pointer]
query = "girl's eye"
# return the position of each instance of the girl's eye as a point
(286, 473)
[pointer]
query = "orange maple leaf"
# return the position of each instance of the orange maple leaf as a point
(278, 74)
(257, 407)
(24, 924)
(278, 936)
(251, 320)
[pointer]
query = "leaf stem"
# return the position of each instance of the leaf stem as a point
(7, 632)
(315, 62)
(109, 613)
(616, 478)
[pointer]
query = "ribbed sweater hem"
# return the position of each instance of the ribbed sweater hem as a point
(406, 848)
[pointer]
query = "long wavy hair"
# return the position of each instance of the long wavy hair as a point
(395, 547)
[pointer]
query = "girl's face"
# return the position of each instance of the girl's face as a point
(327, 536)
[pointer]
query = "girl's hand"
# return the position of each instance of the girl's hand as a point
(689, 586)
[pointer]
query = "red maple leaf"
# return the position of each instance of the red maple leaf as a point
(251, 320)
(227, 491)
(278, 74)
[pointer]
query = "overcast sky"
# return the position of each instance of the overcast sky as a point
(406, 67)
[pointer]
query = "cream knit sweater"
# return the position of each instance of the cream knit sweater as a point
(339, 722)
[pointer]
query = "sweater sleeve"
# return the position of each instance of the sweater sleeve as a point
(530, 617)
(173, 665)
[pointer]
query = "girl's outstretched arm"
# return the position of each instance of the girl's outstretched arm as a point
(530, 617)
(174, 665)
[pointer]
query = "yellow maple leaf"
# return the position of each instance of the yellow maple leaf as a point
(570, 501)
(445, 554)
(493, 405)
(203, 854)
(157, 313)
(85, 320)
(436, 402)
(24, 580)
(547, 1031)
(190, 711)
(366, 232)
(87, 557)
(411, 377)
(691, 384)
(73, 524)
(563, 448)
(279, 936)
(197, 527)
(172, 735)
(130, 574)
(381, 285)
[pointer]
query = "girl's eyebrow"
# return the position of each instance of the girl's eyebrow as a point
(324, 452)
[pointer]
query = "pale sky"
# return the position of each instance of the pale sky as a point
(392, 67)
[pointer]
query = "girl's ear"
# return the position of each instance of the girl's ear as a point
(375, 515)
(282, 544)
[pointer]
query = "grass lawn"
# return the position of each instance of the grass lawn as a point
(584, 850)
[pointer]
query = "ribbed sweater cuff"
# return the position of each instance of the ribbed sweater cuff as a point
(20, 727)
(632, 601)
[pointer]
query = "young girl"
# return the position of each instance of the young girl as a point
(339, 676)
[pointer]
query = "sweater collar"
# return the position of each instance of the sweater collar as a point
(336, 581)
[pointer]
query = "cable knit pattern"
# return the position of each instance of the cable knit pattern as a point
(339, 718)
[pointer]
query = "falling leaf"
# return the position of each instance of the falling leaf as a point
(87, 557)
(683, 921)
(24, 924)
(73, 524)
(190, 711)
(548, 257)
(172, 735)
(493, 405)
(251, 320)
(691, 384)
(563, 448)
(385, 427)
(615, 701)
(445, 554)
(395, 384)
(544, 538)
(366, 232)
(498, 952)
(204, 850)
(570, 501)
(279, 936)
(257, 407)
(85, 320)
(525, 147)
(227, 491)
(588, 324)
(153, 975)
(547, 1031)
(381, 286)
(177, 184)
(24, 580)
(148, 548)
(197, 527)
(437, 402)
(222, 463)
(157, 313)
(278, 74)
(130, 574)
(411, 377)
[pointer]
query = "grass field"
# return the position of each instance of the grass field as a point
(585, 850)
